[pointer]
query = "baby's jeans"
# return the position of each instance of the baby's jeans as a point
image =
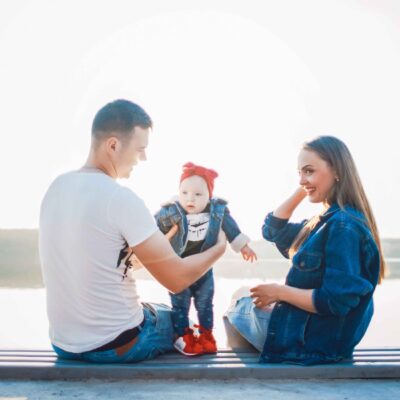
(202, 292)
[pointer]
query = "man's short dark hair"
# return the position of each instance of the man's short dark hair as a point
(119, 117)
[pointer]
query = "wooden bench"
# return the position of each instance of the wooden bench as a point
(227, 364)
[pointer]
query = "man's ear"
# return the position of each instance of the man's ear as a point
(112, 144)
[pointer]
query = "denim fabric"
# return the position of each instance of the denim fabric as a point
(220, 218)
(251, 322)
(155, 338)
(202, 292)
(340, 262)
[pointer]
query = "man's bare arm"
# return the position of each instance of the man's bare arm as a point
(173, 272)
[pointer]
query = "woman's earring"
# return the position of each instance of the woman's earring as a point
(337, 179)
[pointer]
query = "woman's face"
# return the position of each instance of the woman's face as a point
(316, 176)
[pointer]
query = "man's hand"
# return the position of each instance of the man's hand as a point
(248, 254)
(131, 260)
(221, 242)
(172, 232)
(172, 271)
(265, 294)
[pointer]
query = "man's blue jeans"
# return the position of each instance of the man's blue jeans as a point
(202, 292)
(155, 338)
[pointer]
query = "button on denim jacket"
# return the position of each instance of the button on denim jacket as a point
(220, 218)
(340, 262)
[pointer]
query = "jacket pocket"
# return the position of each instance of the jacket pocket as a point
(307, 261)
(162, 315)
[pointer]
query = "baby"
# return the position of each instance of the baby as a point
(192, 224)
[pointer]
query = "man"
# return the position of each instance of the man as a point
(89, 225)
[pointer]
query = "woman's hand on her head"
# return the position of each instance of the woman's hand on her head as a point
(298, 196)
(300, 193)
(286, 209)
(265, 294)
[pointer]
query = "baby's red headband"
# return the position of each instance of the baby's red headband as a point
(190, 169)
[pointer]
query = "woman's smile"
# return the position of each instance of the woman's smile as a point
(309, 190)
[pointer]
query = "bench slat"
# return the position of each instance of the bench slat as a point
(198, 371)
(220, 351)
(226, 364)
(183, 360)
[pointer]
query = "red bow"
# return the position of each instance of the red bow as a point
(190, 169)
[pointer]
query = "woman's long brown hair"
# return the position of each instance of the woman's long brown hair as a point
(348, 190)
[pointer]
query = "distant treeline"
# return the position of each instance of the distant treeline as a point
(20, 265)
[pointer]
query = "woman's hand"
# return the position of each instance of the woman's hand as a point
(300, 193)
(269, 293)
(265, 294)
(248, 253)
(286, 209)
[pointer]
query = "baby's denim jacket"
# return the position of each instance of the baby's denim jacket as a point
(220, 218)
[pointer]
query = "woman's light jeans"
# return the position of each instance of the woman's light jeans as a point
(249, 321)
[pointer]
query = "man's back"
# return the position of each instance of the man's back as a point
(86, 220)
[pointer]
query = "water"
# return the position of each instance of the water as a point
(20, 265)
(24, 322)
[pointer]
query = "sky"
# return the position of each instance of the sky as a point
(235, 86)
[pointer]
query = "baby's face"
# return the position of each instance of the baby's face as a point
(193, 194)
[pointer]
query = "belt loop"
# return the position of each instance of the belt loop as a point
(141, 325)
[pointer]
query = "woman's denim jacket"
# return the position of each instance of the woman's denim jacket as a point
(340, 262)
(220, 218)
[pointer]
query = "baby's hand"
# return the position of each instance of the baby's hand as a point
(248, 254)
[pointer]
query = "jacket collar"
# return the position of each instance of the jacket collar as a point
(329, 212)
(334, 208)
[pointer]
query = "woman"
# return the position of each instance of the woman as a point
(325, 306)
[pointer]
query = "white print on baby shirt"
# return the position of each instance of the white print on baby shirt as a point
(197, 226)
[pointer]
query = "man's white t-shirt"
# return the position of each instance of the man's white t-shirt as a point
(86, 220)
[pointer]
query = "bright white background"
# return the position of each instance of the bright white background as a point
(234, 85)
